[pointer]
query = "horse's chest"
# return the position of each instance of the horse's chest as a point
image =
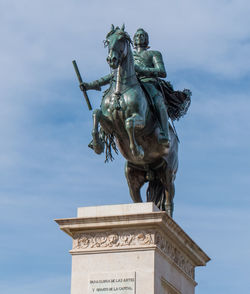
(114, 105)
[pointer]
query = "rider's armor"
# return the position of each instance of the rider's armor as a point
(149, 65)
(149, 68)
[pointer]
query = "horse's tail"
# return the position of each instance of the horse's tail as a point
(156, 194)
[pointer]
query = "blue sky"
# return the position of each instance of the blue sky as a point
(46, 168)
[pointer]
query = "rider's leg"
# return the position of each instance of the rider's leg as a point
(163, 116)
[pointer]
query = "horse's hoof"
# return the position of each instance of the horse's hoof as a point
(169, 211)
(98, 147)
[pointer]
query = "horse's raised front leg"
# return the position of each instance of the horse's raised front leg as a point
(98, 144)
(135, 121)
(136, 179)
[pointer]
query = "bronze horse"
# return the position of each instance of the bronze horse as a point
(125, 113)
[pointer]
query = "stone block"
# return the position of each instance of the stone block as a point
(130, 249)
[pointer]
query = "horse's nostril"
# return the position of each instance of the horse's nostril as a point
(114, 59)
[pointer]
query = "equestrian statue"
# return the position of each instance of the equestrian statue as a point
(135, 115)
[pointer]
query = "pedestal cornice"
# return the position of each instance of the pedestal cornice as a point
(147, 230)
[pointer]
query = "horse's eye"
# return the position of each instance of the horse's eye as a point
(106, 43)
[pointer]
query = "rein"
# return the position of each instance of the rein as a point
(118, 75)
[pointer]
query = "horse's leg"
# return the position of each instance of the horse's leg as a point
(98, 145)
(136, 179)
(170, 191)
(169, 205)
(167, 177)
(135, 121)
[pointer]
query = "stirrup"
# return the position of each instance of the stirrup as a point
(163, 139)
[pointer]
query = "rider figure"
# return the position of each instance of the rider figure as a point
(149, 67)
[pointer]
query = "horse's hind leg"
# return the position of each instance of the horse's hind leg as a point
(170, 192)
(167, 177)
(136, 179)
(98, 145)
(169, 205)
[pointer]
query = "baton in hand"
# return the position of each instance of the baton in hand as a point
(80, 81)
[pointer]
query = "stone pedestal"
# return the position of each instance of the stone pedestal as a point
(130, 249)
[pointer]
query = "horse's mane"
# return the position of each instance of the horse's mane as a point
(118, 31)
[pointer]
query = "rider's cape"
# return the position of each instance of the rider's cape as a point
(177, 102)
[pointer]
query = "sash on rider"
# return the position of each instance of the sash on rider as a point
(177, 102)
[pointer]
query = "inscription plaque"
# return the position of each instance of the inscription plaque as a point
(114, 283)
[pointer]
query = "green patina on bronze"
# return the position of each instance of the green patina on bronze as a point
(134, 114)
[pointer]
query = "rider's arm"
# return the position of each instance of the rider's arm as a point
(159, 65)
(158, 69)
(97, 84)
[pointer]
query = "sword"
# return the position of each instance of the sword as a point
(81, 86)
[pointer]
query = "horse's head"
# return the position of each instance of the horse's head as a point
(117, 41)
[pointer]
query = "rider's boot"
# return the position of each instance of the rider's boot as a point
(163, 137)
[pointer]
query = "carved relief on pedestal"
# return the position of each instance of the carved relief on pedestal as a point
(112, 239)
(129, 239)
(172, 252)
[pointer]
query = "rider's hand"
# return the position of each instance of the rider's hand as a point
(84, 86)
(146, 71)
(138, 69)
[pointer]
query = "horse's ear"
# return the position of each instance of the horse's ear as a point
(123, 27)
(112, 27)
